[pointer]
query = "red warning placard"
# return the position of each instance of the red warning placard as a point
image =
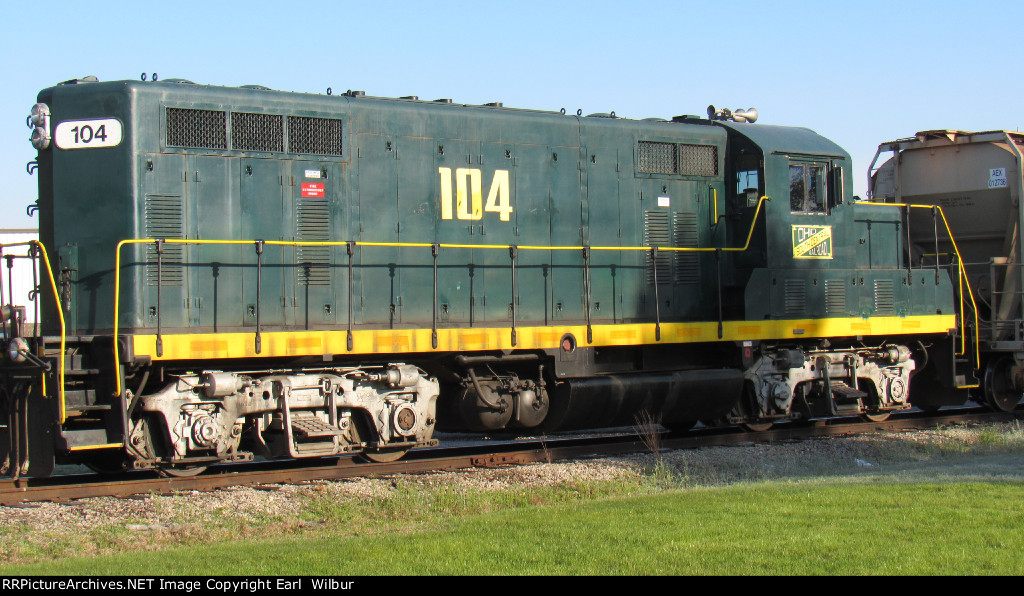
(312, 189)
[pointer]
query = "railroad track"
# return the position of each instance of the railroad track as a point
(485, 454)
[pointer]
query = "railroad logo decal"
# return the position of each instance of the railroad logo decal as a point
(469, 198)
(812, 242)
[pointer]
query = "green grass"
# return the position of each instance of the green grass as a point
(947, 503)
(763, 528)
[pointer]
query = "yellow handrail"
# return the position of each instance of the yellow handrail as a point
(60, 315)
(121, 244)
(962, 277)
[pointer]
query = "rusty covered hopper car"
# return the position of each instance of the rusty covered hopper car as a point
(975, 179)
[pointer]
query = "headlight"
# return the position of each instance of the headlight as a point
(40, 114)
(40, 139)
(40, 118)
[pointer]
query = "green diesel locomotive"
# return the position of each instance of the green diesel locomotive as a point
(231, 272)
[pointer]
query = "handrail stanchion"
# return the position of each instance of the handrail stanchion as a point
(935, 235)
(434, 250)
(586, 292)
(350, 247)
(9, 333)
(159, 295)
(910, 252)
(37, 334)
(657, 300)
(15, 323)
(718, 267)
(513, 253)
(259, 290)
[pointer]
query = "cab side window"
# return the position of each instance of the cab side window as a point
(748, 180)
(807, 188)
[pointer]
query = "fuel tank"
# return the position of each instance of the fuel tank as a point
(678, 397)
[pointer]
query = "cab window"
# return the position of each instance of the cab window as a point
(807, 188)
(748, 179)
(746, 187)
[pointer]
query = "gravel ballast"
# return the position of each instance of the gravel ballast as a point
(962, 452)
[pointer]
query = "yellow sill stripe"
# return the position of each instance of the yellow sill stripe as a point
(408, 341)
(88, 447)
(214, 348)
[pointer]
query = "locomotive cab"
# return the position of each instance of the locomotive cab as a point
(825, 275)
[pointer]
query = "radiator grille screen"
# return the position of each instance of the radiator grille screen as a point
(316, 136)
(205, 129)
(257, 132)
(684, 160)
(656, 158)
(698, 160)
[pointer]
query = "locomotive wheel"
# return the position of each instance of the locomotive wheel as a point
(180, 471)
(383, 456)
(877, 416)
(745, 409)
(151, 446)
(1000, 394)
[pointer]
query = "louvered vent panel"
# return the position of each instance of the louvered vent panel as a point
(885, 297)
(206, 129)
(656, 158)
(313, 224)
(165, 219)
(795, 300)
(316, 136)
(657, 233)
(687, 263)
(835, 296)
(698, 160)
(257, 132)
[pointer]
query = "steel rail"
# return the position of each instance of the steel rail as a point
(540, 450)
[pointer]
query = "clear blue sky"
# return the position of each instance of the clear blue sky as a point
(857, 72)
